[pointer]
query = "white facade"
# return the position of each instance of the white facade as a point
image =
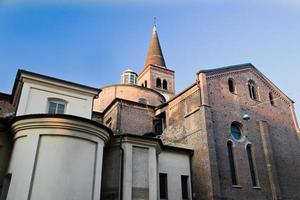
(37, 92)
(55, 156)
(144, 158)
(175, 165)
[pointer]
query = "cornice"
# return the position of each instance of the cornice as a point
(140, 141)
(150, 66)
(35, 122)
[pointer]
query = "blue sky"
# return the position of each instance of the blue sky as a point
(92, 41)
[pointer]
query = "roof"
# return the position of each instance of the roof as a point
(63, 116)
(115, 100)
(227, 68)
(176, 96)
(21, 71)
(4, 96)
(129, 70)
(24, 72)
(155, 55)
(136, 86)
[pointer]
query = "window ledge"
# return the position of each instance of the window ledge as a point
(236, 186)
(256, 188)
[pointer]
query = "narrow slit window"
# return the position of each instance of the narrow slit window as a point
(184, 187)
(271, 98)
(163, 186)
(231, 85)
(251, 166)
(231, 163)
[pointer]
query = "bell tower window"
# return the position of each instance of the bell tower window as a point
(158, 83)
(165, 85)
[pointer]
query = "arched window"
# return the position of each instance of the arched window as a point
(271, 98)
(158, 83)
(251, 165)
(236, 132)
(165, 85)
(252, 90)
(145, 83)
(231, 85)
(231, 163)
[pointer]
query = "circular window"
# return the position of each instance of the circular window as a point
(236, 131)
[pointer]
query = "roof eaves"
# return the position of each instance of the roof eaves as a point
(21, 71)
(226, 68)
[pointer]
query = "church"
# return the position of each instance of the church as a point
(232, 134)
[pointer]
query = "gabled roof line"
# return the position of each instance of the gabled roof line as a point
(239, 67)
(227, 68)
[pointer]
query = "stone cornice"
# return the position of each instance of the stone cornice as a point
(138, 141)
(37, 122)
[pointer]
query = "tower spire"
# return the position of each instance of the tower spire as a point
(155, 55)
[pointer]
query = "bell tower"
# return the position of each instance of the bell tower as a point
(155, 74)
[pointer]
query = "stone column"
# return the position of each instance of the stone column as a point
(152, 174)
(127, 179)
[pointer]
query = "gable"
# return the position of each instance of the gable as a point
(247, 68)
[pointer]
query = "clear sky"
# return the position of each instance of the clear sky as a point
(92, 41)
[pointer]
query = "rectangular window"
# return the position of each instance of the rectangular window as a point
(163, 186)
(132, 80)
(184, 187)
(56, 107)
(126, 78)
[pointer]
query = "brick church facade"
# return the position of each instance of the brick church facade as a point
(232, 134)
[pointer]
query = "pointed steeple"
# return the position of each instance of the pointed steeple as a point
(155, 56)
